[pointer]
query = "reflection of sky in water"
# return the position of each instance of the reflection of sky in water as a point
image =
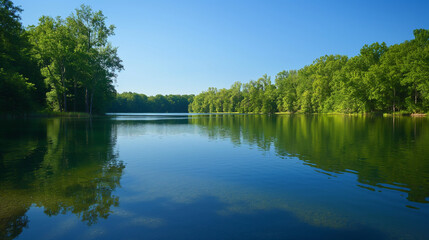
(266, 182)
(177, 177)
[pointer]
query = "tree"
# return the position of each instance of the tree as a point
(21, 84)
(286, 82)
(416, 68)
(92, 35)
(386, 79)
(78, 61)
(379, 79)
(324, 70)
(268, 95)
(236, 96)
(54, 47)
(134, 102)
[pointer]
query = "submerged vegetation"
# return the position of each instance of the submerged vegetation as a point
(380, 79)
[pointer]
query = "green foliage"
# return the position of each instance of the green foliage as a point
(287, 83)
(69, 65)
(63, 64)
(78, 62)
(14, 86)
(21, 84)
(134, 103)
(379, 79)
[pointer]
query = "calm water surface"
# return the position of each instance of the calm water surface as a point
(162, 176)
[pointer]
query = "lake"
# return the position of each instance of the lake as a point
(196, 176)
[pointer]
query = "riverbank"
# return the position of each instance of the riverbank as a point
(47, 114)
(360, 114)
(60, 114)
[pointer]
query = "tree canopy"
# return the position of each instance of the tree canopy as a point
(78, 62)
(135, 102)
(21, 83)
(379, 79)
(60, 64)
(68, 64)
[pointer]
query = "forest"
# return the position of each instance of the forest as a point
(69, 65)
(381, 79)
(128, 102)
(62, 64)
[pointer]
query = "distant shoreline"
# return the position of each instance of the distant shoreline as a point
(87, 115)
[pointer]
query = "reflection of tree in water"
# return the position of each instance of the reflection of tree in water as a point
(12, 217)
(64, 166)
(379, 152)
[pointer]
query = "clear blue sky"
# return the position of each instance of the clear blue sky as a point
(181, 47)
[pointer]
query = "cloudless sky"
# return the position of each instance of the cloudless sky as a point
(183, 47)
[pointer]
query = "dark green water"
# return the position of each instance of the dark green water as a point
(215, 177)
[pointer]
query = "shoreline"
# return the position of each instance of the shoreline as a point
(43, 114)
(86, 115)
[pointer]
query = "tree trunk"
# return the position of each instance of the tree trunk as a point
(86, 101)
(59, 99)
(64, 88)
(415, 96)
(56, 89)
(394, 97)
(90, 108)
(75, 93)
(65, 102)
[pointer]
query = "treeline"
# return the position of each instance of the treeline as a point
(60, 64)
(379, 79)
(135, 102)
